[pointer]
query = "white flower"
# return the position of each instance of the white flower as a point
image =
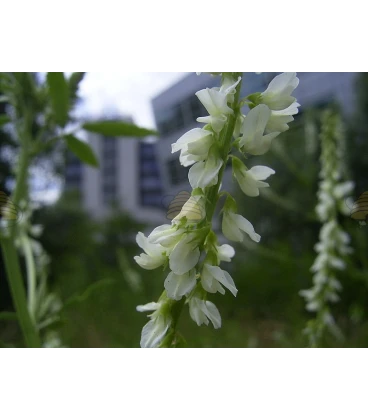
(225, 252)
(178, 285)
(233, 226)
(205, 174)
(203, 311)
(228, 87)
(279, 120)
(166, 235)
(250, 181)
(154, 253)
(193, 145)
(278, 94)
(211, 278)
(215, 103)
(343, 189)
(253, 141)
(185, 254)
(155, 330)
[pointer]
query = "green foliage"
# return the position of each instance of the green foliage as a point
(82, 150)
(4, 119)
(117, 128)
(59, 95)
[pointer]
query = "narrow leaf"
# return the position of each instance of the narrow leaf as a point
(117, 128)
(59, 94)
(82, 150)
(74, 81)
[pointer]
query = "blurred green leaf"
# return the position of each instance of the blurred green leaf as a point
(117, 128)
(74, 81)
(3, 98)
(59, 93)
(4, 119)
(8, 316)
(82, 150)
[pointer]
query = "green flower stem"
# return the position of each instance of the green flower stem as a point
(212, 197)
(31, 275)
(10, 254)
(18, 293)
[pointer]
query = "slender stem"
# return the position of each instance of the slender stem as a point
(31, 275)
(18, 293)
(11, 258)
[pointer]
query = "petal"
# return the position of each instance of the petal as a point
(212, 314)
(223, 277)
(148, 262)
(179, 285)
(261, 173)
(225, 252)
(255, 122)
(246, 227)
(230, 229)
(196, 313)
(247, 184)
(184, 256)
(154, 331)
(205, 174)
(152, 306)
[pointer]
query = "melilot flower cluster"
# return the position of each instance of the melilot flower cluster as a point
(333, 245)
(188, 247)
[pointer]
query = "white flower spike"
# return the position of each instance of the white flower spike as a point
(189, 246)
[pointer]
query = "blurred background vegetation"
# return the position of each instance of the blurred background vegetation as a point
(93, 272)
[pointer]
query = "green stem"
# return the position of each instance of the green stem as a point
(11, 258)
(18, 293)
(31, 275)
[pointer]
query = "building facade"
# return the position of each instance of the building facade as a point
(128, 178)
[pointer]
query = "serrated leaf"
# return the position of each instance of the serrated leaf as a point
(59, 95)
(82, 150)
(4, 119)
(117, 129)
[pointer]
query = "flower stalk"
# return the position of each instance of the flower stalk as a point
(189, 246)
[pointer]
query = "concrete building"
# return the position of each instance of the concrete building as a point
(177, 108)
(128, 177)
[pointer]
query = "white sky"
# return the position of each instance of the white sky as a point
(123, 93)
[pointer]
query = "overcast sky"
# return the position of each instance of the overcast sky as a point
(125, 93)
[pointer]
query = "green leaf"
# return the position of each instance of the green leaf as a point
(59, 94)
(117, 128)
(3, 99)
(4, 119)
(8, 316)
(74, 81)
(82, 150)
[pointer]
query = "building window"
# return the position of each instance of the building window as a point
(177, 173)
(109, 170)
(171, 120)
